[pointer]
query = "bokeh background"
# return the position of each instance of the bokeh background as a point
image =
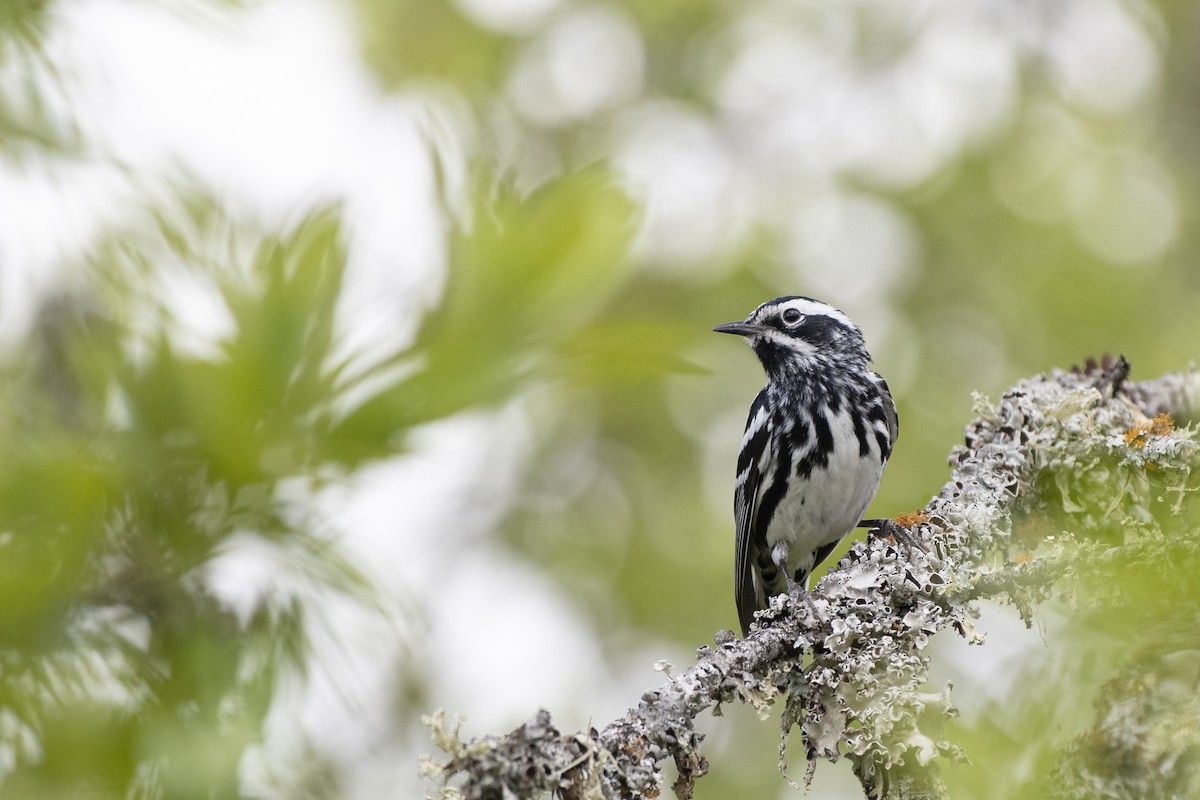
(356, 355)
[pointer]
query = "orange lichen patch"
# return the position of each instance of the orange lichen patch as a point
(910, 519)
(1022, 558)
(1139, 434)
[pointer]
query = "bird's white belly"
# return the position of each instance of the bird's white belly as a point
(827, 506)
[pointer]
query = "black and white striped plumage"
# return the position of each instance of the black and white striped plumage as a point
(817, 439)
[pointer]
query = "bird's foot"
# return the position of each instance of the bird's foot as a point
(799, 595)
(892, 530)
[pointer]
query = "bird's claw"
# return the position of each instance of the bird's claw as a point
(890, 529)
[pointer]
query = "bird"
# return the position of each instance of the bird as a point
(817, 439)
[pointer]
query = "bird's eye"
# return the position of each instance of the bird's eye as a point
(791, 316)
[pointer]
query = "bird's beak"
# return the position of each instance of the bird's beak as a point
(739, 328)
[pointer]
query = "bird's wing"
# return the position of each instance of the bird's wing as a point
(889, 412)
(753, 462)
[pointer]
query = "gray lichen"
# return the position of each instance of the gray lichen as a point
(1081, 446)
(1145, 741)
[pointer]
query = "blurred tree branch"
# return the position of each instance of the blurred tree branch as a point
(848, 661)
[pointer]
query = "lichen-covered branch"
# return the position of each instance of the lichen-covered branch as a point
(1084, 443)
(1145, 741)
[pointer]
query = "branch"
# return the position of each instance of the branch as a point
(1047, 443)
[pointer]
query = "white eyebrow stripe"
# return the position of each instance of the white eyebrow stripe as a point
(812, 307)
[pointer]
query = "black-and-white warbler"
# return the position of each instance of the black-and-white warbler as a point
(817, 439)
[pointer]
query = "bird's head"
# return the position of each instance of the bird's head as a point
(788, 333)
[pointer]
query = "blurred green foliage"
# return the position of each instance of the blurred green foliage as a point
(530, 274)
(30, 118)
(431, 40)
(123, 479)
(130, 466)
(129, 463)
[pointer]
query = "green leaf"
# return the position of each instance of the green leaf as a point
(526, 274)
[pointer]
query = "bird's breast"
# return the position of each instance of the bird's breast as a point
(834, 477)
